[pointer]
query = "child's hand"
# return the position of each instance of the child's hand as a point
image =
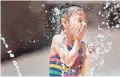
(80, 33)
(90, 49)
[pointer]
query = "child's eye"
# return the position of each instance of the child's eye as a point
(80, 21)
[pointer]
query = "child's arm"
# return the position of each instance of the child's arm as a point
(85, 66)
(87, 56)
(66, 55)
(58, 45)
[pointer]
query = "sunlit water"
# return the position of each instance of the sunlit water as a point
(11, 55)
(99, 42)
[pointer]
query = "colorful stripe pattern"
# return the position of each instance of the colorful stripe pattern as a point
(56, 67)
(74, 70)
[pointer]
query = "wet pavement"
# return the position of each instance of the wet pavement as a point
(36, 63)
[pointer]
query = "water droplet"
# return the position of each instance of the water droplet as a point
(12, 55)
(46, 11)
(34, 41)
(117, 26)
(43, 5)
(10, 51)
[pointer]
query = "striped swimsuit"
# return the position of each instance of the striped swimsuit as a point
(74, 69)
(57, 69)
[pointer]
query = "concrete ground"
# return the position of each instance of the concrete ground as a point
(106, 61)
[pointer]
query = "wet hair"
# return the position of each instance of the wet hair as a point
(67, 10)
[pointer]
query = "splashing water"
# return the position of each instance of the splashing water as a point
(99, 38)
(102, 42)
(2, 38)
(56, 20)
(103, 45)
(17, 68)
(11, 56)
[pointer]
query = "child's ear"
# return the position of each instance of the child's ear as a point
(64, 22)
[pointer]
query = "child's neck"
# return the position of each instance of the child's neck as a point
(69, 40)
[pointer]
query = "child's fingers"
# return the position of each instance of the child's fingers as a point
(84, 30)
(81, 30)
(91, 48)
(77, 31)
(82, 33)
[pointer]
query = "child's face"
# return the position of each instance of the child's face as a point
(76, 21)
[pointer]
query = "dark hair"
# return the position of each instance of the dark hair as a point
(69, 9)
(65, 10)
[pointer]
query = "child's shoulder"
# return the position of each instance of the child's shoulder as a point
(83, 43)
(83, 46)
(57, 37)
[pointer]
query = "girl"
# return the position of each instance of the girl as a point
(69, 55)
